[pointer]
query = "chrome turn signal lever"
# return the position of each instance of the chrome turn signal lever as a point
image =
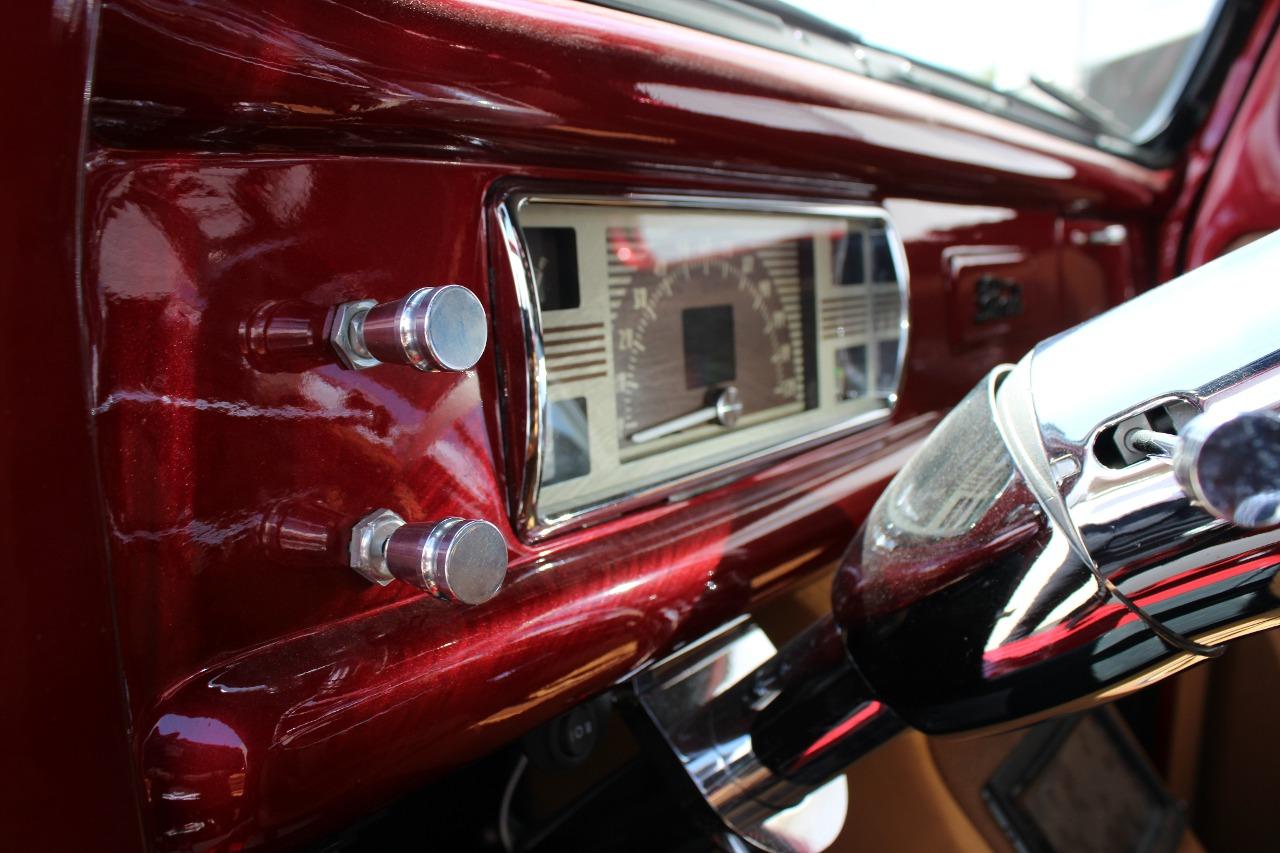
(1083, 524)
(433, 328)
(1228, 463)
(455, 559)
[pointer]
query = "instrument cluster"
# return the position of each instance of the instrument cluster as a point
(676, 339)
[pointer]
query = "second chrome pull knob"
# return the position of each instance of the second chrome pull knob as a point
(456, 559)
(433, 328)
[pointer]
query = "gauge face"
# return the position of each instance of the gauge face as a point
(676, 342)
(704, 346)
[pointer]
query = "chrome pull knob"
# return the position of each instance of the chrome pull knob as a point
(1230, 464)
(433, 328)
(456, 559)
(1114, 234)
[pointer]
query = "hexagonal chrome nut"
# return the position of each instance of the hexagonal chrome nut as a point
(345, 316)
(368, 550)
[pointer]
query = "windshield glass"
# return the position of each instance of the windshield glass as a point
(1112, 73)
(1117, 65)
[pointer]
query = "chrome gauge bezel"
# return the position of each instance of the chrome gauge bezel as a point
(534, 526)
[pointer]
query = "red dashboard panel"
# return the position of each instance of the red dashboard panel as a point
(257, 663)
(232, 477)
(259, 162)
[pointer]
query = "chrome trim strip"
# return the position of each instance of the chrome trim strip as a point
(528, 523)
(1015, 418)
(526, 499)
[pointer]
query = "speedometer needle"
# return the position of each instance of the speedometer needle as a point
(724, 411)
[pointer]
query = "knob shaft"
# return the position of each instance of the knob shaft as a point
(1230, 464)
(433, 328)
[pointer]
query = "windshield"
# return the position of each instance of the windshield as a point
(1114, 64)
(1113, 73)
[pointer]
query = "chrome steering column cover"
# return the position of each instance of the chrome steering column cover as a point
(1207, 342)
(1054, 576)
(1210, 337)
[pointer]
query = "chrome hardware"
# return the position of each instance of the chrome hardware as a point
(1152, 443)
(455, 559)
(433, 328)
(1150, 433)
(1114, 234)
(724, 410)
(369, 544)
(345, 338)
(1230, 465)
(700, 701)
(728, 407)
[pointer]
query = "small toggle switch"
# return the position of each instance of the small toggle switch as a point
(456, 559)
(433, 328)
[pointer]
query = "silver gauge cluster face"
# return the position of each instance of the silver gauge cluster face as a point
(677, 337)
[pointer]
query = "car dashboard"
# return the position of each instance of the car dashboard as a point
(726, 295)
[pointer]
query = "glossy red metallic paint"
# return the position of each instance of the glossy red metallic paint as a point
(1205, 150)
(68, 781)
(262, 667)
(340, 717)
(943, 363)
(557, 82)
(274, 695)
(232, 478)
(1242, 195)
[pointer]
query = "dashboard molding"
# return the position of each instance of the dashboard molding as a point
(506, 205)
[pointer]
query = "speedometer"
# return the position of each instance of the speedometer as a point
(674, 341)
(703, 346)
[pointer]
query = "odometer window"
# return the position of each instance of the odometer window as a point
(709, 352)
